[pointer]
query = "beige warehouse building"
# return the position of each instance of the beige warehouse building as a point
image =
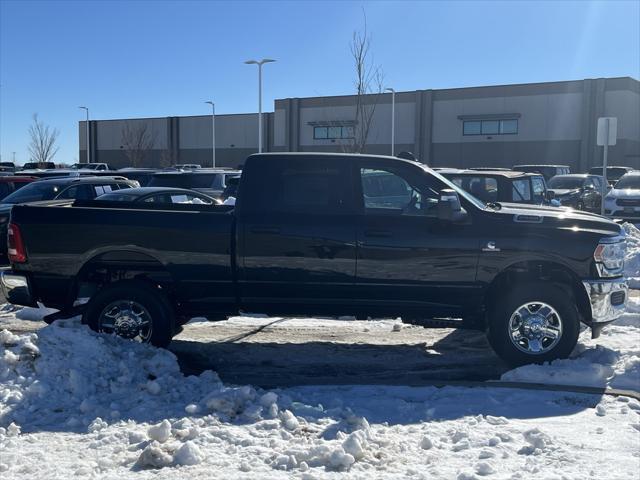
(499, 126)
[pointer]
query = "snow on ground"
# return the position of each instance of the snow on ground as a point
(74, 403)
(632, 259)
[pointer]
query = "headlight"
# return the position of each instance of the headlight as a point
(609, 256)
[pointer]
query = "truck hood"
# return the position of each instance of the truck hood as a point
(563, 218)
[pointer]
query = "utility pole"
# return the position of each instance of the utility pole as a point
(213, 133)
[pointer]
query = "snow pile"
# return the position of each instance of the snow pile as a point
(632, 258)
(74, 403)
(612, 360)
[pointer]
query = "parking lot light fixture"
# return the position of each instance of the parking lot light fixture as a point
(393, 119)
(213, 133)
(259, 63)
(88, 160)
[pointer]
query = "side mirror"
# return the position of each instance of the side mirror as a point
(551, 195)
(449, 207)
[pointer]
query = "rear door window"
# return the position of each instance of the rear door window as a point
(321, 186)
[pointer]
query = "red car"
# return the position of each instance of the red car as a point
(11, 183)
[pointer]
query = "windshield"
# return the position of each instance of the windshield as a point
(628, 181)
(467, 196)
(34, 192)
(562, 183)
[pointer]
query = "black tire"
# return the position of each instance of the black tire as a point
(152, 299)
(500, 316)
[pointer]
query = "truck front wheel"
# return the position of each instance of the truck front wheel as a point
(533, 323)
(133, 310)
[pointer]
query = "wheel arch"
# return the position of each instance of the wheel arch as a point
(114, 265)
(525, 271)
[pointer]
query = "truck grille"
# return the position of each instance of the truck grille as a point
(617, 298)
(628, 202)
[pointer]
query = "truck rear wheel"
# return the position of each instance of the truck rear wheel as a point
(133, 310)
(535, 323)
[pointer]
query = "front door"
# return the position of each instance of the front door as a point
(409, 261)
(297, 245)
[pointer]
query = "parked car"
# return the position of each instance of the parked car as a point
(142, 175)
(492, 186)
(55, 189)
(526, 275)
(208, 181)
(91, 166)
(623, 201)
(613, 173)
(579, 190)
(548, 171)
(158, 195)
(11, 183)
(38, 166)
(7, 167)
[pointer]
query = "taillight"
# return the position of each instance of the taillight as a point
(15, 245)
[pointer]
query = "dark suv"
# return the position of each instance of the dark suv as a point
(613, 173)
(580, 191)
(501, 186)
(548, 171)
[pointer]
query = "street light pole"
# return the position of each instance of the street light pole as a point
(259, 63)
(213, 133)
(393, 119)
(87, 130)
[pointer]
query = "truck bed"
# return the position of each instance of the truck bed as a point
(193, 243)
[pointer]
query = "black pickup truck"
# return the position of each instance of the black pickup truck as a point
(326, 234)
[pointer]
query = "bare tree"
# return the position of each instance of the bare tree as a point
(42, 143)
(167, 158)
(369, 83)
(137, 142)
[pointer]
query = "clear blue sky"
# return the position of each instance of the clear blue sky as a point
(159, 58)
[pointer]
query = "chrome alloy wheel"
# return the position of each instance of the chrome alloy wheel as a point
(127, 319)
(535, 328)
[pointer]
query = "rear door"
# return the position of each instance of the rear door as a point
(296, 227)
(409, 260)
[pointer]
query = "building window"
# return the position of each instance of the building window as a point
(333, 133)
(490, 127)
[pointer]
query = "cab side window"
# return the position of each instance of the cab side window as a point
(390, 193)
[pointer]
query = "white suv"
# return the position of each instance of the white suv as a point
(623, 200)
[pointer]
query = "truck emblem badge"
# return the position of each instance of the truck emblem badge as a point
(491, 247)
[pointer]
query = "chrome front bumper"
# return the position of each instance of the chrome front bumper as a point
(608, 299)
